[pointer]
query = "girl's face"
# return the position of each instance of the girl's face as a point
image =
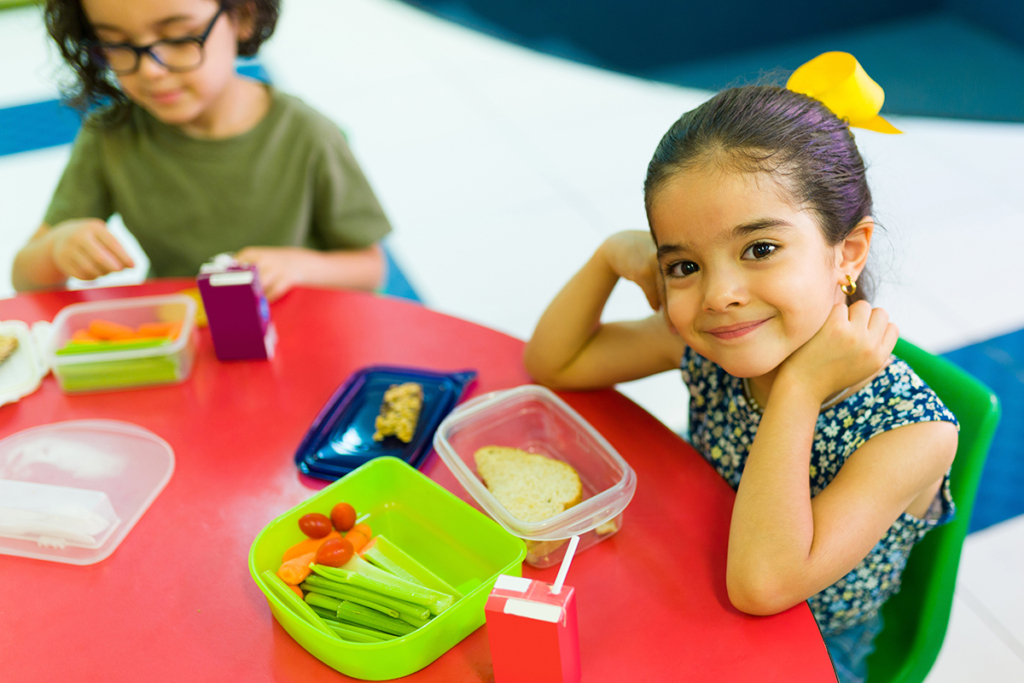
(174, 98)
(748, 275)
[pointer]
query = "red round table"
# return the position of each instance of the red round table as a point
(175, 601)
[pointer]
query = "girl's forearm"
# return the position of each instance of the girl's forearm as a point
(570, 321)
(772, 532)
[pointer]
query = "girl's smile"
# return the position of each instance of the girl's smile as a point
(748, 276)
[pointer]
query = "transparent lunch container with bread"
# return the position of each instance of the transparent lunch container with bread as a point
(533, 419)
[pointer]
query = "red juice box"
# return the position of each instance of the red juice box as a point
(237, 310)
(533, 632)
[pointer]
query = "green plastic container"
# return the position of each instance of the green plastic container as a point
(457, 543)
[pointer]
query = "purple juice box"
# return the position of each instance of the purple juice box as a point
(237, 310)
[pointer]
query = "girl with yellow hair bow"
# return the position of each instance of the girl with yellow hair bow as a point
(760, 223)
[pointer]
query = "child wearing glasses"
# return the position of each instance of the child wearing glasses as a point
(197, 159)
(760, 225)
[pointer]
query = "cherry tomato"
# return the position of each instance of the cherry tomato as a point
(334, 552)
(315, 525)
(343, 516)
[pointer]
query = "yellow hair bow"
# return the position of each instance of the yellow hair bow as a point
(837, 80)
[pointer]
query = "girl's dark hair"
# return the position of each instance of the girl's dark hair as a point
(769, 129)
(94, 86)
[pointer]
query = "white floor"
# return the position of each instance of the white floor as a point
(502, 170)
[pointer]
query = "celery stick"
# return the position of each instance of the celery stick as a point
(386, 555)
(364, 616)
(323, 601)
(298, 607)
(331, 619)
(408, 592)
(347, 633)
(361, 596)
(415, 621)
(359, 572)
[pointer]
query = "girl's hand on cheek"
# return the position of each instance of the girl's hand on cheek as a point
(83, 248)
(852, 345)
(631, 254)
(280, 268)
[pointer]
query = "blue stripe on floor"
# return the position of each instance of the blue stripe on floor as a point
(39, 125)
(999, 363)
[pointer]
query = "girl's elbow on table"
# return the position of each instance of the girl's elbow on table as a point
(759, 595)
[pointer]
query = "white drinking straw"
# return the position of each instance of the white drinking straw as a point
(564, 569)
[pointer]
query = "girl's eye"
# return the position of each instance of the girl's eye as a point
(681, 269)
(759, 251)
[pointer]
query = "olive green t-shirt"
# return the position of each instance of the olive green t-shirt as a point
(289, 181)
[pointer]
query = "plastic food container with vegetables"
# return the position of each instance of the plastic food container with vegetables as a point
(122, 343)
(533, 421)
(381, 572)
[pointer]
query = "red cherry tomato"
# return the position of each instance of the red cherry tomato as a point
(343, 516)
(334, 553)
(315, 525)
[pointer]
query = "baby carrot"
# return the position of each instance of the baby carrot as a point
(364, 529)
(104, 329)
(83, 335)
(297, 591)
(310, 545)
(357, 539)
(294, 571)
(155, 329)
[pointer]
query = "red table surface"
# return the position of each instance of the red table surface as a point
(176, 602)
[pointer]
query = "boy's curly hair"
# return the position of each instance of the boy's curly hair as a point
(94, 86)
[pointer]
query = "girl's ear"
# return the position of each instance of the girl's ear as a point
(853, 250)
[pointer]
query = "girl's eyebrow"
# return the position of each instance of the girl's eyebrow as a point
(158, 24)
(741, 230)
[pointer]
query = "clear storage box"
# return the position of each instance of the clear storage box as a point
(534, 419)
(85, 369)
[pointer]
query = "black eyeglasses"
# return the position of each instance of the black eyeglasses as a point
(174, 54)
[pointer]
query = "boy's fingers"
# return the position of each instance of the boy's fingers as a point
(115, 249)
(83, 267)
(104, 260)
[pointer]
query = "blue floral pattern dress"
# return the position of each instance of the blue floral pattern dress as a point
(723, 422)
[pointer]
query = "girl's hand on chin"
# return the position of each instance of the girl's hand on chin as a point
(631, 254)
(852, 345)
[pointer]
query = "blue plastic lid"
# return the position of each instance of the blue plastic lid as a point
(341, 437)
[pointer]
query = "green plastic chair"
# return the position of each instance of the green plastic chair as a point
(917, 616)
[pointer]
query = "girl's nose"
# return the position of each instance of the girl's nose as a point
(723, 290)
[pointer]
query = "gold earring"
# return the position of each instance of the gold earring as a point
(850, 289)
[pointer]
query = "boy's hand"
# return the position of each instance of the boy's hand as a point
(852, 345)
(280, 268)
(83, 248)
(631, 254)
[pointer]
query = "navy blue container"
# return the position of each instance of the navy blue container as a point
(341, 437)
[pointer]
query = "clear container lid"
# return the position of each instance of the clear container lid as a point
(534, 419)
(71, 491)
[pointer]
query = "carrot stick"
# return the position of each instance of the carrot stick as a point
(294, 571)
(104, 329)
(155, 329)
(310, 545)
(83, 335)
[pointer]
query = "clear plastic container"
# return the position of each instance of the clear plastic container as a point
(71, 491)
(533, 419)
(169, 363)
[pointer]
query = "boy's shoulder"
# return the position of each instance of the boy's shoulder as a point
(295, 112)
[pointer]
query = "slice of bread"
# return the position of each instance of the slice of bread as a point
(532, 487)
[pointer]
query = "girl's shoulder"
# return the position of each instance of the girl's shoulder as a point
(897, 396)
